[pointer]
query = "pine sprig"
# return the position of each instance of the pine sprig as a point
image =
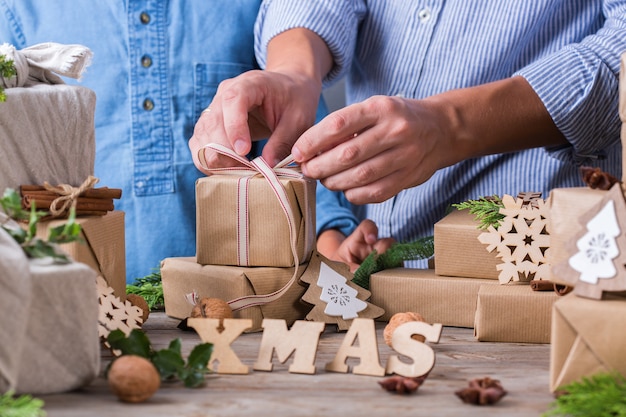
(22, 406)
(393, 257)
(486, 210)
(601, 395)
(150, 288)
(7, 70)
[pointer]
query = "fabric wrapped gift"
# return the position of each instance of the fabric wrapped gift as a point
(458, 252)
(248, 219)
(102, 246)
(183, 276)
(513, 313)
(55, 347)
(450, 301)
(587, 338)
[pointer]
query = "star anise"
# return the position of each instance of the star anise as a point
(402, 385)
(482, 391)
(597, 179)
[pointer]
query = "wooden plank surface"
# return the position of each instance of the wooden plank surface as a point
(522, 369)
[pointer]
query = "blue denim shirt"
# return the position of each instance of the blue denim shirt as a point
(156, 66)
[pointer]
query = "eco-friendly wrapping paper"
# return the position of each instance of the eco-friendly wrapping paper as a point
(450, 301)
(47, 134)
(513, 313)
(182, 276)
(56, 346)
(587, 338)
(102, 247)
(458, 252)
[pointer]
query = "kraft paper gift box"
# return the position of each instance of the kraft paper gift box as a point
(48, 324)
(450, 301)
(458, 252)
(182, 276)
(102, 246)
(513, 313)
(47, 134)
(587, 338)
(268, 241)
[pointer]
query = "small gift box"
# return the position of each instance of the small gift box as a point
(587, 338)
(450, 301)
(249, 219)
(183, 276)
(513, 313)
(458, 252)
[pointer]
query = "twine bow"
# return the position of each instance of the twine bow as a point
(258, 166)
(68, 195)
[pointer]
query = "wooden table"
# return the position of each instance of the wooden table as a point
(522, 369)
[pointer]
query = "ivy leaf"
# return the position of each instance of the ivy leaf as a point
(168, 363)
(22, 406)
(199, 356)
(137, 343)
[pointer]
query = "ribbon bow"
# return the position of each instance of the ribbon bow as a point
(68, 195)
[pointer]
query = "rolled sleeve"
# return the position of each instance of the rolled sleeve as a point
(336, 22)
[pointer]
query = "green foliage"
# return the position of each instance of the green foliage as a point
(33, 246)
(169, 362)
(602, 395)
(150, 288)
(23, 406)
(7, 70)
(486, 210)
(393, 257)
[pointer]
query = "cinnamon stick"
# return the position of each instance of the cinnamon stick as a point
(541, 285)
(82, 203)
(102, 192)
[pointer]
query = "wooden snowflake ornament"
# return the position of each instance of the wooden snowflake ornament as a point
(115, 313)
(335, 299)
(522, 240)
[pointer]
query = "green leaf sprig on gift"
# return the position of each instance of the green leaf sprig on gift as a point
(486, 210)
(33, 246)
(7, 70)
(150, 288)
(393, 257)
(168, 362)
(601, 395)
(22, 406)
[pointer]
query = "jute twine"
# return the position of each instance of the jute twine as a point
(68, 195)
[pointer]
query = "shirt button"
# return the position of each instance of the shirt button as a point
(148, 104)
(145, 18)
(424, 15)
(146, 61)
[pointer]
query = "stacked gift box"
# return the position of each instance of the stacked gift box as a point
(254, 238)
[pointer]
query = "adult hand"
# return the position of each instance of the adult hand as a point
(253, 106)
(374, 149)
(356, 247)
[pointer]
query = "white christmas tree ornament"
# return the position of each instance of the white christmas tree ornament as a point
(341, 299)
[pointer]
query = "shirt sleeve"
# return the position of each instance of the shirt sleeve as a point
(579, 87)
(334, 211)
(334, 21)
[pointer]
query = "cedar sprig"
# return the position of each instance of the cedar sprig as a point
(393, 257)
(22, 406)
(7, 70)
(601, 395)
(486, 210)
(150, 288)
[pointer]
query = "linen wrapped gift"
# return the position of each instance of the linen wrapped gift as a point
(458, 252)
(450, 301)
(48, 324)
(255, 215)
(183, 276)
(47, 130)
(587, 338)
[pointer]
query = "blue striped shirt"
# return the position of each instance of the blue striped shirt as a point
(568, 50)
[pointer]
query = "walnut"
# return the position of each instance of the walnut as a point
(398, 319)
(482, 391)
(212, 308)
(401, 384)
(139, 301)
(133, 378)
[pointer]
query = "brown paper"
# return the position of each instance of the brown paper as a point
(181, 276)
(269, 239)
(450, 301)
(103, 248)
(513, 313)
(587, 338)
(458, 252)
